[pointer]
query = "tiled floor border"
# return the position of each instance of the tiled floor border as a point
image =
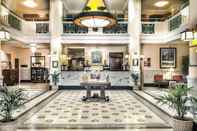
(70, 126)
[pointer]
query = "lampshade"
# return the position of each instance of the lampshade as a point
(4, 35)
(95, 15)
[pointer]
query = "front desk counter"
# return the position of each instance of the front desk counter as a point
(117, 78)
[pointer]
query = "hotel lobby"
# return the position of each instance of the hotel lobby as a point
(98, 65)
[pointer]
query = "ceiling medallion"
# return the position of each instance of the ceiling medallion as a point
(95, 15)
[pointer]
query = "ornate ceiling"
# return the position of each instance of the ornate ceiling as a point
(75, 6)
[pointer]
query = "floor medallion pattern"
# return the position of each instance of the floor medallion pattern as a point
(68, 111)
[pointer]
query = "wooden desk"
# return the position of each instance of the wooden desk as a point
(92, 84)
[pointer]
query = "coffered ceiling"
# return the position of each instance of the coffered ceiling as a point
(150, 10)
(39, 12)
(75, 6)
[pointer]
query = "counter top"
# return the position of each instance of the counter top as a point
(117, 78)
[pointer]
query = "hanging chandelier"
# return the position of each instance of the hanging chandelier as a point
(189, 34)
(4, 35)
(95, 15)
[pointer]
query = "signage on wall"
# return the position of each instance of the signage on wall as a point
(194, 43)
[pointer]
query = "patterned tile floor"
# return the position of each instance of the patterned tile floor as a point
(67, 110)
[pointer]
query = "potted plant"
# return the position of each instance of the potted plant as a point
(178, 99)
(55, 77)
(10, 100)
(135, 77)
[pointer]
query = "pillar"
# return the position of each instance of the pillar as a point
(134, 30)
(1, 77)
(192, 78)
(56, 29)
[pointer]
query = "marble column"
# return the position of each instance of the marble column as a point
(134, 30)
(56, 29)
(1, 77)
(192, 78)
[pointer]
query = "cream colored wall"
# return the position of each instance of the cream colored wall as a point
(161, 27)
(105, 49)
(24, 54)
(9, 50)
(153, 51)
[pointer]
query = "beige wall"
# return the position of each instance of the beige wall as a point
(24, 54)
(105, 49)
(153, 51)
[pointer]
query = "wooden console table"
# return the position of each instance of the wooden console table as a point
(92, 84)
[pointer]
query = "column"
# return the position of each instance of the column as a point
(192, 78)
(134, 30)
(1, 77)
(56, 27)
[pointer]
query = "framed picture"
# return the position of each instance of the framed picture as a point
(96, 57)
(55, 64)
(147, 62)
(168, 57)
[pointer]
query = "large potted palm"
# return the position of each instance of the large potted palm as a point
(135, 77)
(10, 100)
(178, 99)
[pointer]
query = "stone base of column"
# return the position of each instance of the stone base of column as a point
(192, 82)
(1, 80)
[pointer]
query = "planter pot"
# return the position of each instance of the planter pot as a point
(8, 126)
(181, 125)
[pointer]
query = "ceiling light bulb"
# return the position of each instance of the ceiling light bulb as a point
(30, 3)
(161, 3)
(33, 49)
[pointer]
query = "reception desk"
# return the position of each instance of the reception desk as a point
(120, 79)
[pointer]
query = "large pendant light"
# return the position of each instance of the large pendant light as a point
(95, 15)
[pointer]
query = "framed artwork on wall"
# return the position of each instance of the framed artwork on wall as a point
(96, 57)
(168, 57)
(147, 62)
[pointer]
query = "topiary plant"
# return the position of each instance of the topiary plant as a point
(135, 77)
(55, 77)
(10, 100)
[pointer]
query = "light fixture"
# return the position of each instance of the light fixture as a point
(189, 34)
(95, 15)
(30, 3)
(33, 49)
(161, 3)
(4, 35)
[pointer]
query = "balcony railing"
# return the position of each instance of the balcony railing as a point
(42, 28)
(172, 24)
(74, 29)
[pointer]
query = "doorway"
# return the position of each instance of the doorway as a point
(115, 61)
